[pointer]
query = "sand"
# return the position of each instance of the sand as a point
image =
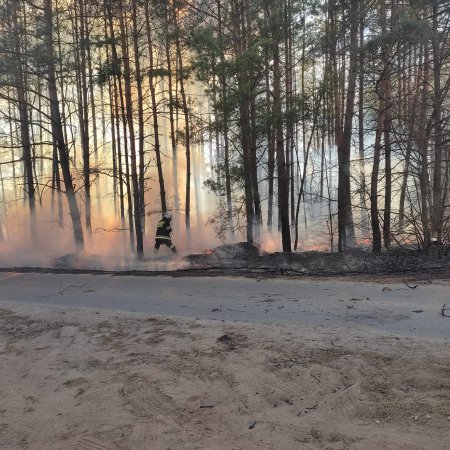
(74, 378)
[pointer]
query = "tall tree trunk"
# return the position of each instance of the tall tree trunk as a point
(375, 220)
(182, 81)
(362, 169)
(387, 131)
(269, 128)
(57, 184)
(119, 96)
(173, 137)
(287, 28)
(225, 120)
(57, 129)
(254, 177)
(410, 114)
(83, 108)
(305, 166)
(423, 149)
(162, 190)
(130, 121)
(438, 205)
(12, 131)
(282, 170)
(119, 151)
(24, 125)
(94, 114)
(345, 215)
(140, 107)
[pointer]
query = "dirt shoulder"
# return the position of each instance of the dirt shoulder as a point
(82, 379)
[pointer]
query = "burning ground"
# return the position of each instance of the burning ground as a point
(83, 379)
(245, 259)
(242, 257)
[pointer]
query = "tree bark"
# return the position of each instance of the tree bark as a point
(24, 125)
(140, 108)
(83, 105)
(438, 205)
(57, 129)
(282, 170)
(345, 215)
(130, 122)
(387, 50)
(181, 79)
(375, 220)
(162, 191)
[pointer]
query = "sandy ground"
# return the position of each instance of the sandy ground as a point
(74, 378)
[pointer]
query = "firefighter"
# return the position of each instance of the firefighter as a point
(163, 232)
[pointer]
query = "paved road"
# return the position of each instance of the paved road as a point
(392, 307)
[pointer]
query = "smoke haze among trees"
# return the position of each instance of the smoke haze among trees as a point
(292, 124)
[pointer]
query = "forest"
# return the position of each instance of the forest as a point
(291, 124)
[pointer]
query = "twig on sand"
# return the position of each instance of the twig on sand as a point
(62, 290)
(315, 378)
(312, 407)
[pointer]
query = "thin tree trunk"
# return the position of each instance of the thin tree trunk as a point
(173, 137)
(119, 150)
(24, 126)
(57, 129)
(94, 114)
(225, 119)
(129, 117)
(12, 130)
(423, 148)
(289, 103)
(410, 114)
(305, 166)
(254, 169)
(57, 184)
(375, 220)
(345, 215)
(181, 78)
(83, 110)
(387, 133)
(118, 95)
(270, 132)
(438, 205)
(162, 190)
(362, 169)
(282, 170)
(140, 105)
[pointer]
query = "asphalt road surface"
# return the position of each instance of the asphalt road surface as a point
(392, 307)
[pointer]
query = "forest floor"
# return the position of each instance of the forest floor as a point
(91, 378)
(246, 260)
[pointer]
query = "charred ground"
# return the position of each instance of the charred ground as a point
(247, 260)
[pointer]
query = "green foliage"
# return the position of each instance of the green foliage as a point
(107, 41)
(218, 186)
(159, 72)
(106, 71)
(408, 30)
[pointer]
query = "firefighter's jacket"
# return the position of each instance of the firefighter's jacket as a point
(164, 229)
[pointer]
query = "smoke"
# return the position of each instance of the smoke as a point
(107, 247)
